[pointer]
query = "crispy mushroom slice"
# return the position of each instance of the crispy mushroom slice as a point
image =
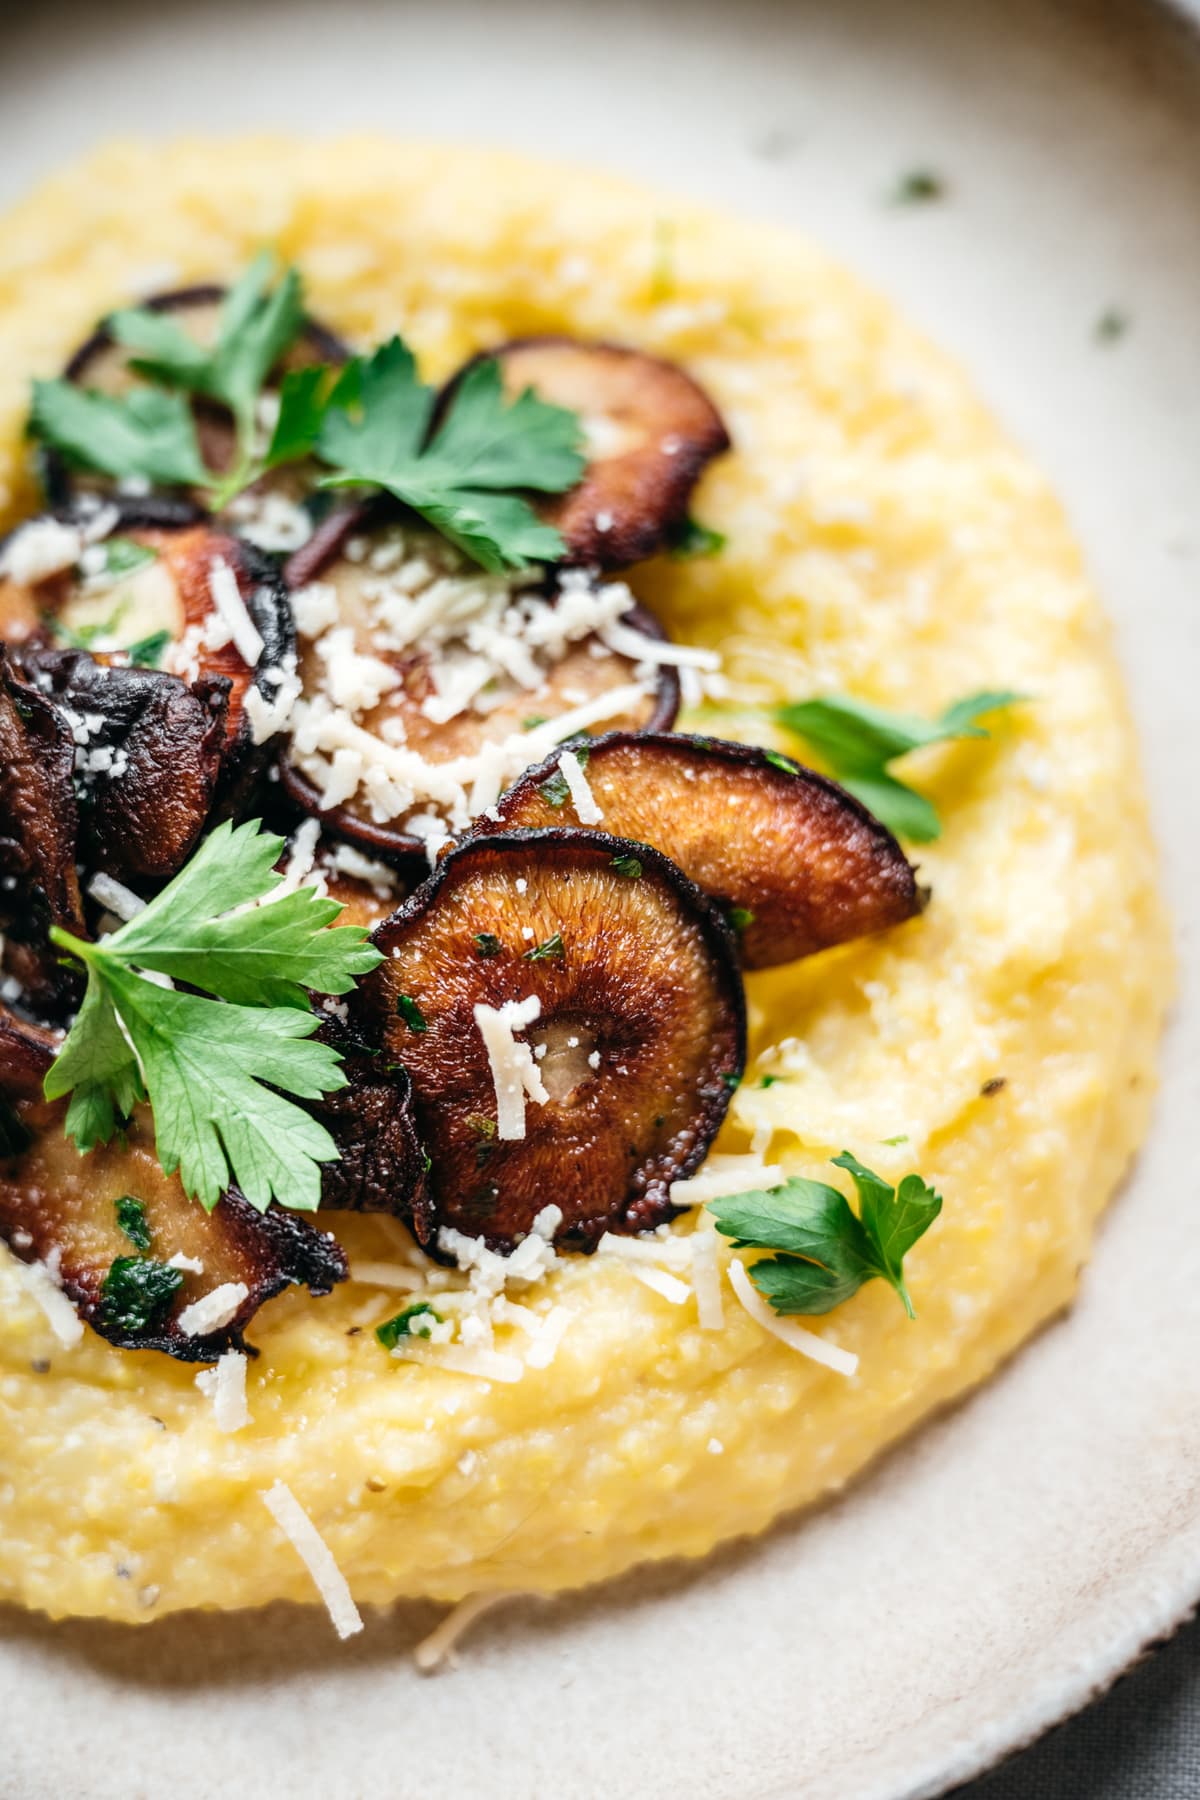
(650, 431)
(148, 759)
(382, 1164)
(102, 364)
(585, 972)
(796, 861)
(396, 682)
(167, 598)
(61, 1209)
(39, 826)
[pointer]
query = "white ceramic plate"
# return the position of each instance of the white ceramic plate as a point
(1012, 1558)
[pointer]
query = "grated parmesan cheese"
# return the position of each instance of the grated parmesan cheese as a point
(843, 1362)
(549, 1336)
(43, 1286)
(439, 1646)
(227, 598)
(659, 1282)
(725, 1175)
(121, 901)
(315, 1554)
(514, 1072)
(706, 1275)
(39, 549)
(225, 1386)
(582, 798)
(213, 1310)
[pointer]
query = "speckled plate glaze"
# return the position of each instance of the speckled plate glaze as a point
(1010, 1560)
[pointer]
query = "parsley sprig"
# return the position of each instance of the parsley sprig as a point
(466, 473)
(860, 742)
(826, 1250)
(217, 1071)
(151, 431)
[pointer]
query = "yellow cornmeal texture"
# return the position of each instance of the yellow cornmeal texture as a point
(882, 538)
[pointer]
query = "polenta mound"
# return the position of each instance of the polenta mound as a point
(882, 539)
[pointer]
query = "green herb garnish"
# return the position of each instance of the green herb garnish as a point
(122, 556)
(408, 1324)
(859, 742)
(827, 1251)
(256, 324)
(146, 433)
(147, 652)
(411, 1013)
(554, 790)
(551, 951)
(137, 1291)
(467, 480)
(131, 1219)
(1111, 325)
(731, 1081)
(629, 866)
(217, 1072)
(740, 917)
(918, 187)
(487, 944)
(694, 539)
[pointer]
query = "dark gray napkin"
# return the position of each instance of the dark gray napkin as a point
(1141, 1742)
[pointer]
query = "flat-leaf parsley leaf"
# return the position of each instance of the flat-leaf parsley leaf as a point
(217, 1071)
(859, 742)
(826, 1250)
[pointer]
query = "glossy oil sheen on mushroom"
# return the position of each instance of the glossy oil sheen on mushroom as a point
(796, 861)
(592, 974)
(60, 1209)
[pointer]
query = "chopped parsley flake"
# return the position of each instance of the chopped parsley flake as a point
(551, 951)
(411, 1013)
(918, 187)
(147, 652)
(131, 1218)
(629, 866)
(136, 1292)
(487, 944)
(416, 1321)
(694, 540)
(741, 917)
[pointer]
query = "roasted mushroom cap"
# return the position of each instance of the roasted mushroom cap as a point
(569, 1008)
(148, 759)
(62, 1209)
(382, 1165)
(102, 365)
(194, 601)
(414, 663)
(650, 431)
(39, 823)
(796, 861)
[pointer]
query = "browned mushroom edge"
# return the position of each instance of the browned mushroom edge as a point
(797, 863)
(27, 614)
(382, 1165)
(316, 343)
(59, 1209)
(665, 432)
(39, 821)
(647, 981)
(141, 816)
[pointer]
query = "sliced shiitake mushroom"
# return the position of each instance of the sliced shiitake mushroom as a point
(39, 825)
(639, 1036)
(650, 431)
(796, 861)
(148, 769)
(103, 365)
(152, 602)
(348, 588)
(60, 1208)
(382, 1165)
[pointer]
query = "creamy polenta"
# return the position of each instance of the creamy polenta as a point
(882, 539)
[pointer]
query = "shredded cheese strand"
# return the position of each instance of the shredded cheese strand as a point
(843, 1362)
